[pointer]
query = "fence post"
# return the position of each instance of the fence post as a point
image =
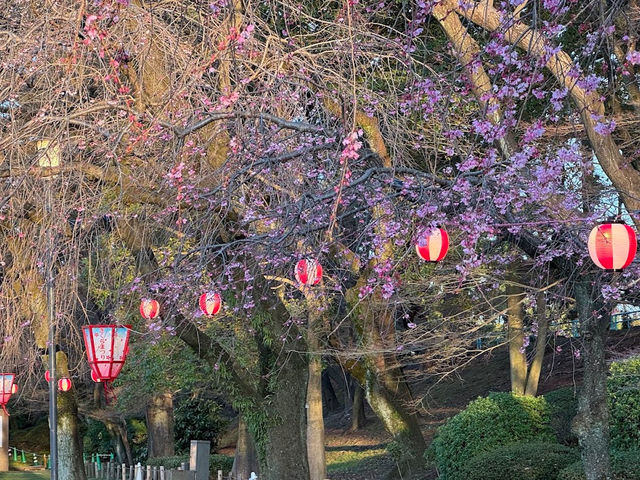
(162, 473)
(219, 474)
(138, 472)
(148, 477)
(124, 472)
(131, 469)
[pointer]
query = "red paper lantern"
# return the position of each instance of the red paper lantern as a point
(433, 246)
(612, 246)
(107, 347)
(6, 389)
(308, 271)
(64, 384)
(210, 303)
(149, 308)
(47, 376)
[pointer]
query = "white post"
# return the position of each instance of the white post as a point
(162, 473)
(138, 472)
(4, 442)
(124, 472)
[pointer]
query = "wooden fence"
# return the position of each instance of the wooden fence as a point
(116, 471)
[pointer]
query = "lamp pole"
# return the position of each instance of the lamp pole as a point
(53, 400)
(53, 403)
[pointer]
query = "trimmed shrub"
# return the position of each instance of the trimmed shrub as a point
(624, 404)
(486, 424)
(216, 462)
(563, 406)
(625, 465)
(522, 461)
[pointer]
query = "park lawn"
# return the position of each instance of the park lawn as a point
(39, 475)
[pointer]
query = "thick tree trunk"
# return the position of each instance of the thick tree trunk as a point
(70, 464)
(118, 431)
(284, 448)
(328, 393)
(160, 425)
(517, 357)
(358, 418)
(541, 342)
(591, 424)
(315, 418)
(395, 417)
(245, 460)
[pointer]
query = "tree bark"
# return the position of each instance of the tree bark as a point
(591, 424)
(160, 425)
(245, 460)
(284, 448)
(315, 418)
(358, 418)
(70, 464)
(517, 358)
(118, 431)
(533, 377)
(328, 392)
(396, 418)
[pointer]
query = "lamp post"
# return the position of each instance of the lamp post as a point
(7, 388)
(50, 158)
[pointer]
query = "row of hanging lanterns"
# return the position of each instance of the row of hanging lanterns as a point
(612, 246)
(64, 383)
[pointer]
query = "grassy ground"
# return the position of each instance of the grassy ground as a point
(24, 475)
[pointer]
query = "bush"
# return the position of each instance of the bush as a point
(486, 424)
(624, 404)
(196, 418)
(216, 462)
(625, 465)
(522, 461)
(563, 406)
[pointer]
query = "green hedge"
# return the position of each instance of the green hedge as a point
(521, 461)
(563, 406)
(216, 462)
(486, 424)
(624, 404)
(625, 465)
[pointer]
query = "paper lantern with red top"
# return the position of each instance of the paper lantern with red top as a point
(64, 384)
(47, 376)
(612, 246)
(149, 308)
(210, 303)
(308, 271)
(433, 245)
(6, 389)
